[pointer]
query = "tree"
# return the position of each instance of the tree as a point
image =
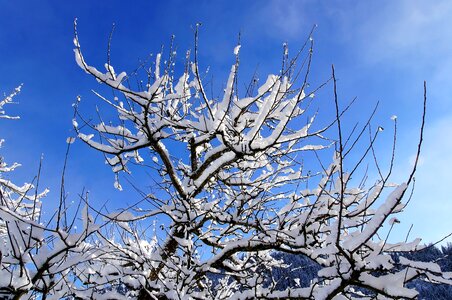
(237, 192)
(38, 260)
(426, 289)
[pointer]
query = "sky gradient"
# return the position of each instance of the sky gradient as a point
(382, 51)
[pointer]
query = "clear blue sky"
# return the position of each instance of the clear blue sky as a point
(382, 51)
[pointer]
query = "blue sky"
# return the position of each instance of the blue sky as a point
(382, 51)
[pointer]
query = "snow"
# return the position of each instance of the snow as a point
(392, 284)
(379, 217)
(430, 266)
(157, 65)
(117, 185)
(268, 85)
(237, 49)
(393, 221)
(122, 216)
(223, 206)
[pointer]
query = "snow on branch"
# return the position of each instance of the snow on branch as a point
(229, 176)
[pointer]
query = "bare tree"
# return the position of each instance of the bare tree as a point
(39, 260)
(230, 180)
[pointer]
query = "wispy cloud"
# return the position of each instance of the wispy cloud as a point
(414, 37)
(284, 19)
(401, 43)
(398, 29)
(430, 209)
